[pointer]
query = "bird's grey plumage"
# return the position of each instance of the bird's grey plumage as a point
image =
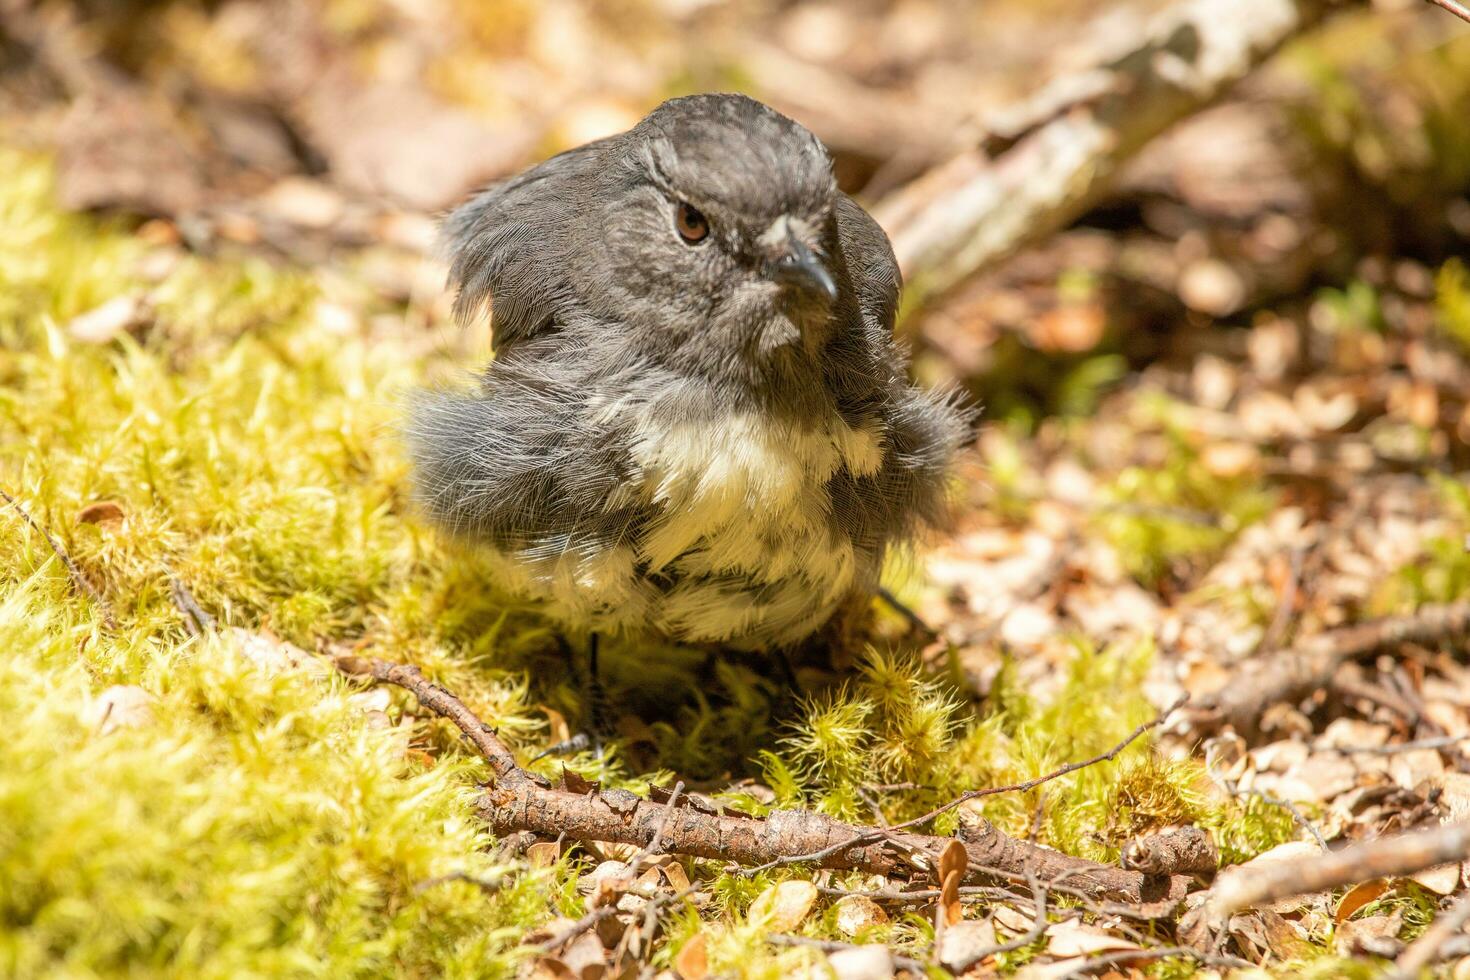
(688, 439)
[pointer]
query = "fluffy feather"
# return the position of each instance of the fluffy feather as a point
(672, 439)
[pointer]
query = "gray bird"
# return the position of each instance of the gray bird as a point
(697, 423)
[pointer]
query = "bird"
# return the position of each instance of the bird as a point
(696, 423)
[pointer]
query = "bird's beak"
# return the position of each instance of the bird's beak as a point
(799, 266)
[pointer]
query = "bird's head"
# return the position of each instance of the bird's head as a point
(705, 235)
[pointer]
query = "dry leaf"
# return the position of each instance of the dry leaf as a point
(543, 854)
(550, 968)
(1358, 896)
(674, 873)
(110, 320)
(784, 906)
(874, 962)
(964, 941)
(692, 960)
(120, 706)
(269, 653)
(1441, 880)
(858, 912)
(585, 956)
(1074, 939)
(104, 512)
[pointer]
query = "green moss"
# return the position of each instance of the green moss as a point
(1168, 518)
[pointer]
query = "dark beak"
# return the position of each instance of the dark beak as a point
(799, 266)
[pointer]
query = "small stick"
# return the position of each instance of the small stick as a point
(1425, 950)
(1440, 742)
(1385, 857)
(1158, 953)
(487, 885)
(1455, 7)
(196, 620)
(77, 578)
(1311, 662)
(439, 701)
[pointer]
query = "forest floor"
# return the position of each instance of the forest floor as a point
(1225, 413)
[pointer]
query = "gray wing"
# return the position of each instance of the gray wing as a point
(870, 262)
(922, 429)
(506, 244)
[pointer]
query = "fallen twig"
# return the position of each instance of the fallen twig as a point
(1187, 850)
(973, 210)
(1439, 742)
(1279, 676)
(77, 578)
(1157, 953)
(196, 620)
(519, 801)
(1455, 7)
(1401, 854)
(441, 702)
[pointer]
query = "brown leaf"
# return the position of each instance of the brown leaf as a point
(858, 912)
(1074, 939)
(963, 941)
(674, 873)
(949, 899)
(121, 706)
(784, 906)
(1441, 880)
(692, 960)
(272, 654)
(104, 512)
(119, 315)
(1358, 896)
(543, 854)
(872, 962)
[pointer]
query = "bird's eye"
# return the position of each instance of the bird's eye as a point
(692, 225)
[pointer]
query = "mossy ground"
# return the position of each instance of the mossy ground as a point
(264, 822)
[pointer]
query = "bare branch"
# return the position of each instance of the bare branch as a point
(1310, 664)
(974, 210)
(1401, 854)
(441, 702)
(1455, 7)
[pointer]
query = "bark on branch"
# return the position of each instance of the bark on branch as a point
(518, 800)
(973, 210)
(522, 802)
(1283, 675)
(1401, 854)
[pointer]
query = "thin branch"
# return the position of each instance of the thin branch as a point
(1310, 664)
(1455, 7)
(976, 794)
(487, 885)
(1385, 857)
(1439, 742)
(196, 620)
(1157, 953)
(77, 578)
(441, 702)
